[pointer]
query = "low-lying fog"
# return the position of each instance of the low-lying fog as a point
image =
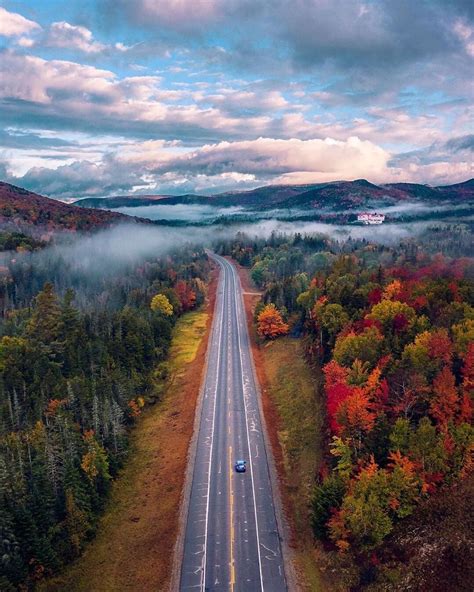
(182, 212)
(103, 252)
(86, 261)
(201, 213)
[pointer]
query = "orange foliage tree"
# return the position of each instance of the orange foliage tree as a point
(445, 402)
(270, 323)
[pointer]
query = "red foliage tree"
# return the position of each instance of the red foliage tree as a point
(400, 323)
(467, 387)
(355, 415)
(186, 295)
(334, 374)
(374, 296)
(465, 409)
(440, 346)
(335, 397)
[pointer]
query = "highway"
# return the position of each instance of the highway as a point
(231, 539)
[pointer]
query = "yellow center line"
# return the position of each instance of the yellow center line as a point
(231, 493)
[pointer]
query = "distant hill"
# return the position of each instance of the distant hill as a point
(20, 209)
(337, 195)
(120, 201)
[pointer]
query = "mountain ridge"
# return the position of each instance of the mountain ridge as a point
(335, 194)
(21, 208)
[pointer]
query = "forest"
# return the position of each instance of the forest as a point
(80, 357)
(84, 340)
(391, 331)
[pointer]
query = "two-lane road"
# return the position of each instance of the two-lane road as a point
(231, 541)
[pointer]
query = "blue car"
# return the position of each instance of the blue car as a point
(241, 466)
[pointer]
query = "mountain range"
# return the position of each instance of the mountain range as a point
(20, 208)
(337, 195)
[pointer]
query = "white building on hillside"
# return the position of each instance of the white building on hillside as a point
(368, 218)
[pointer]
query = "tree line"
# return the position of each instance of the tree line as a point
(77, 366)
(391, 328)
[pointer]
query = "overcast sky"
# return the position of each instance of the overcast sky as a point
(104, 97)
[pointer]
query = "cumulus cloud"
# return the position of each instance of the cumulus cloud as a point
(81, 178)
(13, 24)
(439, 163)
(317, 159)
(212, 168)
(166, 168)
(33, 79)
(65, 35)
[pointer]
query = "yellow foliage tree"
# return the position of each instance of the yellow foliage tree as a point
(161, 304)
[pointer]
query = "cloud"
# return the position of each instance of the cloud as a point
(462, 143)
(440, 163)
(163, 168)
(314, 158)
(248, 92)
(67, 36)
(33, 79)
(13, 24)
(157, 166)
(465, 33)
(59, 93)
(178, 13)
(183, 17)
(82, 178)
(358, 34)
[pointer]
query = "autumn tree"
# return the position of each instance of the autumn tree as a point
(364, 518)
(445, 401)
(355, 416)
(463, 335)
(429, 352)
(186, 295)
(366, 347)
(331, 318)
(270, 323)
(467, 387)
(387, 311)
(161, 304)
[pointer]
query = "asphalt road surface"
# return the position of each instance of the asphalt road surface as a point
(231, 542)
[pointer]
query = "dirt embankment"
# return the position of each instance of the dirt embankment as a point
(136, 536)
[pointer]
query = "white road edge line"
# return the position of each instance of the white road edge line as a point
(246, 418)
(203, 577)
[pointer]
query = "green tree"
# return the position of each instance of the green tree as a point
(366, 347)
(76, 523)
(326, 498)
(45, 322)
